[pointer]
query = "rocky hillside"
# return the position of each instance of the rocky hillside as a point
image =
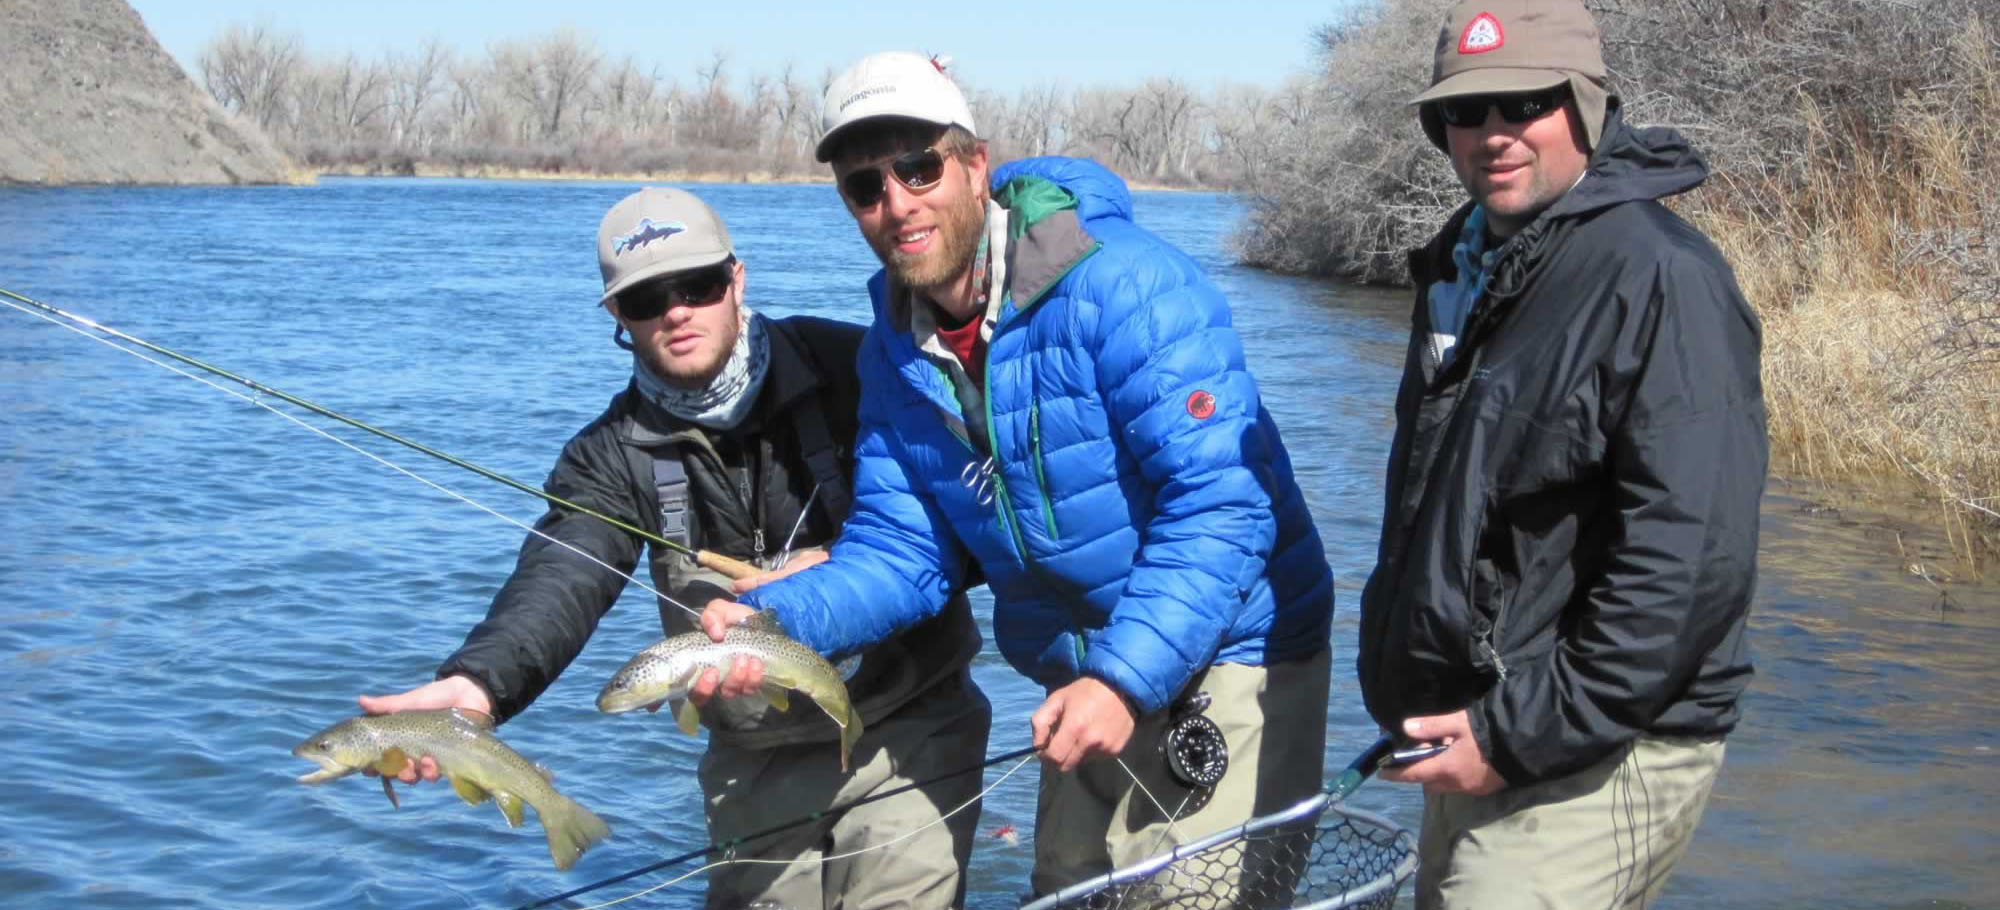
(88, 96)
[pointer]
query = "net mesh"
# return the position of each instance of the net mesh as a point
(1317, 855)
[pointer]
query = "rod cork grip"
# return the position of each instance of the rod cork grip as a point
(716, 562)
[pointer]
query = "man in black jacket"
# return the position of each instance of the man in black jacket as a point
(1569, 541)
(736, 436)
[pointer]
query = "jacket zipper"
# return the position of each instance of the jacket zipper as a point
(1041, 478)
(1001, 495)
(1486, 641)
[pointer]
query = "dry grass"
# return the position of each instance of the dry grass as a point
(1855, 146)
(1876, 280)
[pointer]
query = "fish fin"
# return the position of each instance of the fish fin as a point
(510, 806)
(762, 621)
(547, 773)
(389, 789)
(571, 829)
(391, 762)
(777, 696)
(688, 716)
(480, 719)
(472, 793)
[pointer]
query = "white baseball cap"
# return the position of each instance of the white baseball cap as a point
(891, 84)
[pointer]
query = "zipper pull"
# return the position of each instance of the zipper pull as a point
(757, 541)
(1492, 653)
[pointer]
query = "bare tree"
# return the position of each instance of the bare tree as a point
(250, 70)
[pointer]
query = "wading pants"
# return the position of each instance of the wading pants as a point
(1601, 839)
(1093, 820)
(942, 730)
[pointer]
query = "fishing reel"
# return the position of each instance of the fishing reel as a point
(1196, 754)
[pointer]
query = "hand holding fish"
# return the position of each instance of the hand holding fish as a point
(1081, 721)
(747, 673)
(456, 691)
(733, 659)
(479, 765)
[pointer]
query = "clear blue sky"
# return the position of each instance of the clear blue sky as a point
(998, 47)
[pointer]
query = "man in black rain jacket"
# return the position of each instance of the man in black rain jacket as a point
(1569, 540)
(736, 436)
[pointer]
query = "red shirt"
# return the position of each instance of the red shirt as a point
(969, 344)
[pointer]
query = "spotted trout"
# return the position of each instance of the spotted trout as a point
(665, 672)
(479, 765)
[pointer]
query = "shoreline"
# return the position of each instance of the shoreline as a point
(754, 178)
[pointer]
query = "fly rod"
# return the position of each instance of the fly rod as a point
(716, 562)
(733, 843)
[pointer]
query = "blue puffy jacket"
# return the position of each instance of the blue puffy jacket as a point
(1142, 521)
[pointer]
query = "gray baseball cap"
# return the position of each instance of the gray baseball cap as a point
(658, 231)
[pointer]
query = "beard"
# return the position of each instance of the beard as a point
(696, 369)
(958, 234)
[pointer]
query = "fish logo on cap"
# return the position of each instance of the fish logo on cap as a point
(1482, 34)
(646, 232)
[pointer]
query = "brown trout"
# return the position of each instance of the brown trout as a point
(478, 764)
(665, 672)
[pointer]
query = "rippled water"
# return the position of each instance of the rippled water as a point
(189, 584)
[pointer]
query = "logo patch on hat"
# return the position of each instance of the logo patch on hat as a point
(1200, 405)
(646, 232)
(1482, 34)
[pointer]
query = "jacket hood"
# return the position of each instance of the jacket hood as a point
(1634, 164)
(1099, 192)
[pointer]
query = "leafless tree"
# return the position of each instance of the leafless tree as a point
(251, 70)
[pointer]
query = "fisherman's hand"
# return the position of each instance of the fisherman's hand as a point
(800, 561)
(455, 691)
(1459, 769)
(1084, 720)
(720, 615)
(746, 675)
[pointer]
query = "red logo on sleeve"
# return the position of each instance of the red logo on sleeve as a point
(1200, 405)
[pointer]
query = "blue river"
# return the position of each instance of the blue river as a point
(190, 584)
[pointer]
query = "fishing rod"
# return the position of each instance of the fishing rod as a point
(716, 562)
(733, 843)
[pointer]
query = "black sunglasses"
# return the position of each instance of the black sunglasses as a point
(916, 170)
(1515, 107)
(649, 300)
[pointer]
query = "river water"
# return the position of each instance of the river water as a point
(190, 584)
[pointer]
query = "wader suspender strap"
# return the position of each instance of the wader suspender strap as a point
(670, 482)
(823, 459)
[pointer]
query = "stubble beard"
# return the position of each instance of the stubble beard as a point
(697, 370)
(957, 239)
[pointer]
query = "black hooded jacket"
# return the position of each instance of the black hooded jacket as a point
(1570, 536)
(760, 475)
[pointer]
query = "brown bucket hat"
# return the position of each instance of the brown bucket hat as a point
(1490, 47)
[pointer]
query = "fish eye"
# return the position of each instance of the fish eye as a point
(325, 745)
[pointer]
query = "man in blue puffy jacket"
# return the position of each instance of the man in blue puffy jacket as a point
(1054, 398)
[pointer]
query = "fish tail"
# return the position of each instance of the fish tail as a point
(571, 829)
(850, 733)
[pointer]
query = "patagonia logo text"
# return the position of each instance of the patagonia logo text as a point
(864, 95)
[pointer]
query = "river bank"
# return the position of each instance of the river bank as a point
(1851, 148)
(484, 171)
